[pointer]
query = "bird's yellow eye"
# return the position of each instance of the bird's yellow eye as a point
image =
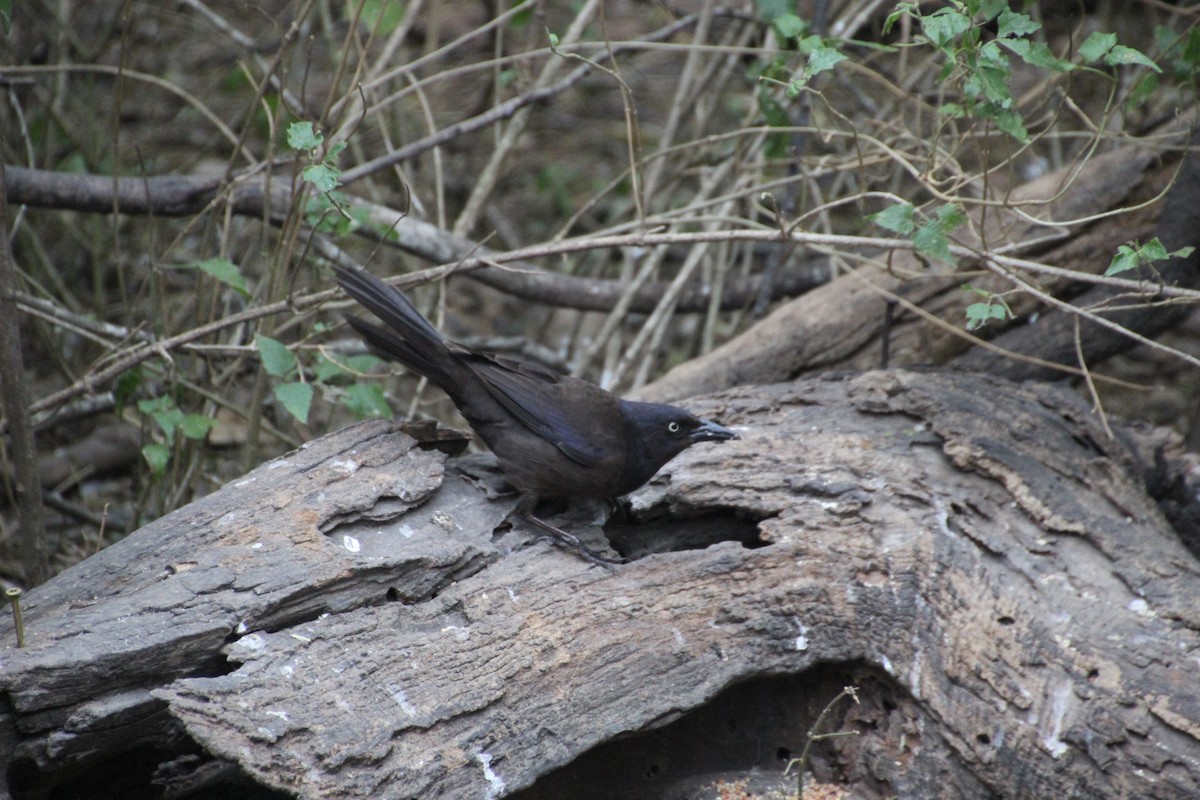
(673, 427)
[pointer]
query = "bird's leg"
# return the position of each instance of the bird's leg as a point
(524, 510)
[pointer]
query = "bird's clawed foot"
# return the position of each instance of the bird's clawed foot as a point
(571, 542)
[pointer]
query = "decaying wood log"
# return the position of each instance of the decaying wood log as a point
(352, 620)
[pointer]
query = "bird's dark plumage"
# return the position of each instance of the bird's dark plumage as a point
(553, 435)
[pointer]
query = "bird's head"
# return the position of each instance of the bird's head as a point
(657, 433)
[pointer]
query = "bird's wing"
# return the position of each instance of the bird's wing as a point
(535, 397)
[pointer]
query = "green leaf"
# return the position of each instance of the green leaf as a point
(823, 59)
(1189, 58)
(898, 218)
(1095, 46)
(1154, 250)
(1142, 91)
(771, 10)
(979, 314)
(1011, 123)
(520, 20)
(951, 110)
(1037, 54)
(366, 400)
(276, 358)
(789, 26)
(931, 240)
(328, 370)
(383, 16)
(908, 8)
(126, 385)
(196, 426)
(226, 272)
(296, 399)
(1125, 260)
(153, 405)
(323, 176)
(553, 39)
(164, 413)
(990, 79)
(990, 9)
(1120, 54)
(1012, 24)
(943, 26)
(157, 456)
(950, 216)
(1132, 256)
(302, 136)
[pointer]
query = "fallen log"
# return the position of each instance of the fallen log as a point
(354, 619)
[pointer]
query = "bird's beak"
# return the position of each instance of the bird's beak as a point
(710, 431)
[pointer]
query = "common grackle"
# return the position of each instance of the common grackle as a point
(553, 435)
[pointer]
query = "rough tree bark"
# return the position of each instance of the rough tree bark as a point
(351, 620)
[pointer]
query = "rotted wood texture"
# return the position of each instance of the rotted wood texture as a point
(353, 621)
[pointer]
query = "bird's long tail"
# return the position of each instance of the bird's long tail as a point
(408, 338)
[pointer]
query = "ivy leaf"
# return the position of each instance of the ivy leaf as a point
(303, 136)
(932, 237)
(1120, 54)
(1012, 24)
(328, 370)
(226, 272)
(164, 413)
(823, 59)
(931, 240)
(898, 218)
(1154, 250)
(1011, 123)
(366, 400)
(1125, 260)
(978, 314)
(1037, 54)
(128, 383)
(276, 358)
(990, 9)
(1132, 256)
(157, 456)
(296, 399)
(383, 16)
(323, 176)
(789, 26)
(772, 10)
(945, 25)
(1096, 46)
(196, 426)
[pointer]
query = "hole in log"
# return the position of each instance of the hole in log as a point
(748, 733)
(132, 774)
(671, 534)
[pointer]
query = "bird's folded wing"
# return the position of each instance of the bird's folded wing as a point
(530, 395)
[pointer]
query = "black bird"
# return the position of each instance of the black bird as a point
(553, 435)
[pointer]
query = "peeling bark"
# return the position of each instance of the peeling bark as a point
(976, 555)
